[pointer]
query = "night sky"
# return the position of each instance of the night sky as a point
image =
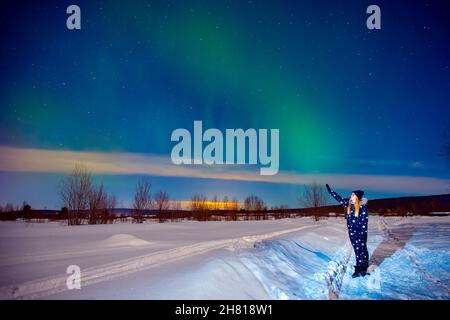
(356, 108)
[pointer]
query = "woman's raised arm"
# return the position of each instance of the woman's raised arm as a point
(343, 202)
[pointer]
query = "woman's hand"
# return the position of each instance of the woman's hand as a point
(328, 188)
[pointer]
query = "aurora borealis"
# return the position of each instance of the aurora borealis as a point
(359, 107)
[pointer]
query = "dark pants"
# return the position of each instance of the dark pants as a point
(357, 231)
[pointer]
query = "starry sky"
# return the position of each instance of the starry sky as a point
(356, 108)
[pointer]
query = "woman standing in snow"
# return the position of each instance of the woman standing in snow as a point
(357, 223)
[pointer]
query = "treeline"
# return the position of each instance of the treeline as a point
(207, 211)
(88, 203)
(9, 207)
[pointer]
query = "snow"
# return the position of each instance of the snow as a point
(277, 259)
(118, 240)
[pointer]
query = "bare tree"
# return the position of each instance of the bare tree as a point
(234, 204)
(313, 196)
(249, 203)
(226, 203)
(98, 200)
(198, 202)
(162, 200)
(175, 212)
(215, 203)
(199, 206)
(254, 203)
(74, 191)
(142, 200)
(9, 207)
(111, 205)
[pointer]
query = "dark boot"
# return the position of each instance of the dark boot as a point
(363, 271)
(357, 272)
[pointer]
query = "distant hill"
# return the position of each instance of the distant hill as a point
(400, 205)
(421, 203)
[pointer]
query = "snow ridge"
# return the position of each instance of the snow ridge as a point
(336, 271)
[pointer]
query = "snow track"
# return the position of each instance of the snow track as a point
(336, 271)
(52, 285)
(395, 238)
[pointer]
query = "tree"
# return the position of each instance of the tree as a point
(254, 203)
(97, 204)
(142, 200)
(226, 202)
(9, 207)
(198, 202)
(234, 204)
(313, 196)
(75, 191)
(101, 206)
(199, 206)
(112, 204)
(215, 203)
(26, 208)
(64, 213)
(162, 203)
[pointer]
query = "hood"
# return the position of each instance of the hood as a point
(363, 201)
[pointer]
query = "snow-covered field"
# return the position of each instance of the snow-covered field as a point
(278, 259)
